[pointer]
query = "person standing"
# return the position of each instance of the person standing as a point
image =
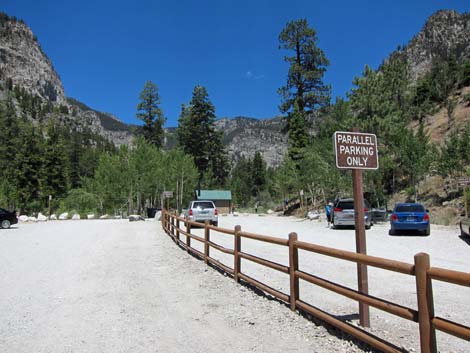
(328, 210)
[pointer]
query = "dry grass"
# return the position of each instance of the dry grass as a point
(444, 215)
(437, 124)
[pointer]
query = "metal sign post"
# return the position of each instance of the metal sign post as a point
(358, 151)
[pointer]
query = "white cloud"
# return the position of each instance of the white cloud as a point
(250, 75)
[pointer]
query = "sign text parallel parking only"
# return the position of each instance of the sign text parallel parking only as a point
(356, 150)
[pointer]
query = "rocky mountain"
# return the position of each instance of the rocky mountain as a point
(24, 64)
(28, 78)
(445, 34)
(244, 136)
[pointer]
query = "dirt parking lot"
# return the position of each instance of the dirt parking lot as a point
(119, 286)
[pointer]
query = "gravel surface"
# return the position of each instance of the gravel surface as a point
(445, 247)
(119, 286)
(116, 286)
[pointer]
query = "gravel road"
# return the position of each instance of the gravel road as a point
(116, 286)
(119, 286)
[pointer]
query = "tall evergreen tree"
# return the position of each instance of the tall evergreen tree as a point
(198, 138)
(307, 67)
(29, 168)
(8, 138)
(55, 182)
(9, 144)
(75, 152)
(149, 111)
(298, 136)
(240, 183)
(258, 174)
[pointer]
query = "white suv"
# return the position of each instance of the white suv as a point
(202, 210)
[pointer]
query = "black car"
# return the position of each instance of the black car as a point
(7, 218)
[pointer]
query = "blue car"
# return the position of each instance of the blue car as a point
(410, 216)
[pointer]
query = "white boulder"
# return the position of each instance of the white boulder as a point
(105, 216)
(313, 215)
(90, 216)
(269, 211)
(76, 217)
(53, 217)
(41, 217)
(64, 216)
(23, 218)
(32, 219)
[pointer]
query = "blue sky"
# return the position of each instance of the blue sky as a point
(105, 51)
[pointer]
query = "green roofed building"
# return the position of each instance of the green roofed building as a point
(221, 198)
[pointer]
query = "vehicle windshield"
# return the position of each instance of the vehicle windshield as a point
(203, 205)
(346, 205)
(409, 208)
(349, 205)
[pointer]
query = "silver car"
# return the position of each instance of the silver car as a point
(202, 210)
(343, 213)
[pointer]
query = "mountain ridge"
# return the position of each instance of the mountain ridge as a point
(24, 64)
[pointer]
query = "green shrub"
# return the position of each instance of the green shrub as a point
(81, 202)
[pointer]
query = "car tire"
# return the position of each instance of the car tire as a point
(6, 224)
(215, 224)
(368, 227)
(391, 232)
(427, 231)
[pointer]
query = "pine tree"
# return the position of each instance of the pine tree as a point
(298, 137)
(183, 134)
(149, 111)
(198, 138)
(75, 152)
(9, 144)
(8, 138)
(56, 163)
(240, 183)
(258, 174)
(307, 67)
(29, 168)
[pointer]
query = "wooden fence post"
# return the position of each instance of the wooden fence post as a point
(162, 218)
(177, 230)
(166, 222)
(188, 239)
(427, 333)
(293, 266)
(237, 247)
(206, 241)
(172, 227)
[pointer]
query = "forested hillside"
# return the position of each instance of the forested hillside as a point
(417, 105)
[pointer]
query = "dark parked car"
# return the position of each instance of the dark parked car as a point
(343, 213)
(7, 218)
(410, 216)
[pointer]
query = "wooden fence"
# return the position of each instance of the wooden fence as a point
(421, 270)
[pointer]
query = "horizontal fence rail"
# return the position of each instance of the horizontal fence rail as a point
(421, 270)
